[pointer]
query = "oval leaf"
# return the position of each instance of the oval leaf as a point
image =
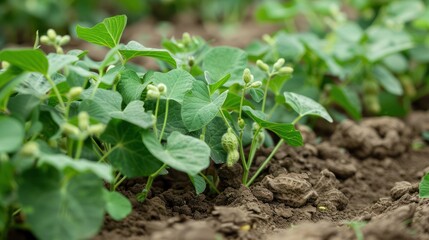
(199, 183)
(32, 60)
(183, 153)
(306, 106)
(59, 208)
(12, 134)
(198, 108)
(178, 82)
(134, 49)
(107, 33)
(286, 131)
(387, 80)
(117, 205)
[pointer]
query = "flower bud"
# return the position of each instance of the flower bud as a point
(241, 123)
(229, 141)
(152, 87)
(268, 39)
(83, 120)
(279, 64)
(162, 88)
(285, 70)
(30, 149)
(74, 92)
(263, 66)
(255, 126)
(372, 104)
(96, 129)
(52, 35)
(5, 65)
(247, 76)
(256, 84)
(70, 129)
(45, 40)
(186, 38)
(153, 94)
(370, 87)
(191, 61)
(64, 40)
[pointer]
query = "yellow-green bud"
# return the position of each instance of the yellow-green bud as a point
(263, 66)
(45, 40)
(229, 141)
(153, 94)
(5, 64)
(256, 84)
(52, 35)
(30, 149)
(255, 126)
(247, 76)
(191, 61)
(74, 92)
(268, 39)
(279, 64)
(59, 50)
(186, 38)
(64, 40)
(83, 120)
(162, 88)
(370, 87)
(110, 67)
(285, 70)
(371, 102)
(70, 129)
(96, 129)
(232, 158)
(152, 87)
(241, 123)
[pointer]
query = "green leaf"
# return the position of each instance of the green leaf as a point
(257, 94)
(220, 61)
(21, 106)
(134, 113)
(424, 187)
(12, 134)
(9, 74)
(107, 33)
(425, 135)
(57, 207)
(31, 60)
(232, 102)
(383, 42)
(306, 106)
(199, 183)
(277, 82)
(174, 118)
(387, 80)
(117, 205)
(199, 108)
(59, 61)
(101, 104)
(216, 85)
(134, 49)
(178, 82)
(183, 153)
(213, 137)
(63, 162)
(128, 153)
(404, 11)
(131, 86)
(348, 100)
(284, 130)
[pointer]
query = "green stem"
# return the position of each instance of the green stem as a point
(211, 184)
(79, 148)
(56, 91)
(119, 183)
(265, 93)
(225, 119)
(155, 128)
(272, 111)
(108, 153)
(240, 141)
(70, 144)
(143, 195)
(264, 164)
(241, 103)
(164, 124)
(251, 155)
(296, 120)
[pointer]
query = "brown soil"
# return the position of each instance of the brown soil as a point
(364, 172)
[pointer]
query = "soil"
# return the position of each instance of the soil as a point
(364, 172)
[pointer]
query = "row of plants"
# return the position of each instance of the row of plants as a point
(73, 129)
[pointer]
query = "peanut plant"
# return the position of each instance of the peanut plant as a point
(71, 125)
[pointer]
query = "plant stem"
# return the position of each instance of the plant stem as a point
(70, 144)
(79, 149)
(224, 118)
(56, 91)
(265, 93)
(243, 157)
(164, 124)
(241, 103)
(142, 196)
(251, 155)
(211, 184)
(108, 152)
(155, 128)
(264, 164)
(119, 183)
